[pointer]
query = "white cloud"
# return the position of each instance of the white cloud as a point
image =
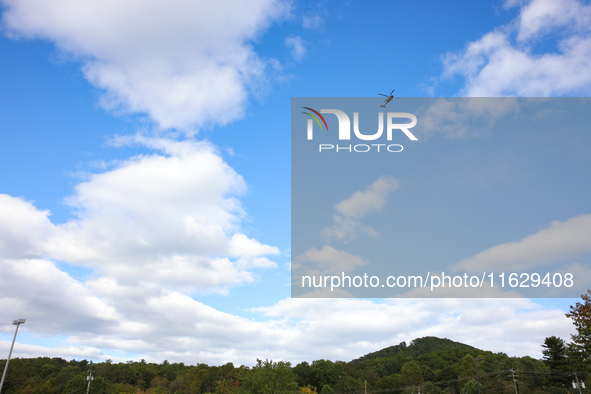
(312, 22)
(557, 243)
(140, 303)
(540, 17)
(455, 118)
(298, 50)
(175, 327)
(151, 232)
(326, 260)
(51, 301)
(171, 219)
(21, 226)
(346, 229)
(500, 65)
(344, 329)
(67, 352)
(184, 63)
(371, 200)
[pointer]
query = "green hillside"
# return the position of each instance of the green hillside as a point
(427, 365)
(417, 347)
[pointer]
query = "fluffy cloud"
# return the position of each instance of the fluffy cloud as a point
(540, 17)
(137, 300)
(555, 244)
(150, 233)
(51, 301)
(344, 329)
(21, 226)
(175, 327)
(504, 62)
(184, 63)
(327, 260)
(171, 218)
(455, 118)
(371, 200)
(298, 50)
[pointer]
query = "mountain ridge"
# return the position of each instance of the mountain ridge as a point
(416, 348)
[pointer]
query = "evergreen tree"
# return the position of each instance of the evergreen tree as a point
(554, 351)
(580, 348)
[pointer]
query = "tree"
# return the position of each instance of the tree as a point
(326, 389)
(189, 380)
(449, 377)
(308, 390)
(471, 387)
(99, 386)
(387, 382)
(411, 374)
(76, 385)
(467, 367)
(118, 388)
(428, 374)
(554, 351)
(353, 385)
(391, 367)
(580, 348)
(430, 388)
(327, 372)
(227, 386)
(268, 377)
(304, 373)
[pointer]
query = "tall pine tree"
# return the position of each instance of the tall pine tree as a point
(554, 351)
(580, 348)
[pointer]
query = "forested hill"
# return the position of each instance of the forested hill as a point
(417, 347)
(429, 365)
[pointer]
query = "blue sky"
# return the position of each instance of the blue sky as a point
(158, 139)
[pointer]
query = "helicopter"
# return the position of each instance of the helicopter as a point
(388, 98)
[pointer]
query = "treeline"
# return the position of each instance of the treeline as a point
(429, 365)
(426, 366)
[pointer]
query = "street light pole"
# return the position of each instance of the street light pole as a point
(16, 323)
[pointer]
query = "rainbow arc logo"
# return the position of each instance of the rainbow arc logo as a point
(315, 118)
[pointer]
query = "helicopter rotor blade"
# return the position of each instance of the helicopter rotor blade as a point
(392, 91)
(382, 94)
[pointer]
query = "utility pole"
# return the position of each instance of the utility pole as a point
(515, 383)
(89, 378)
(578, 384)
